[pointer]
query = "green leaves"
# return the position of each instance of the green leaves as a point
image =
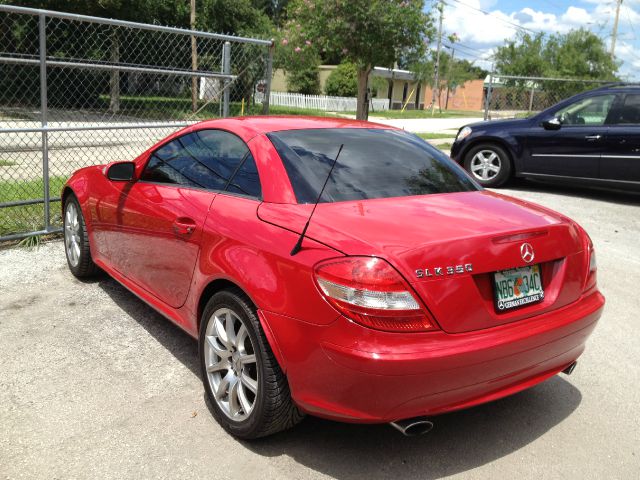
(576, 54)
(343, 81)
(366, 33)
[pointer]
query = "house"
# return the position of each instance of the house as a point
(401, 87)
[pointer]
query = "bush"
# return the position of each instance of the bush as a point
(304, 80)
(343, 81)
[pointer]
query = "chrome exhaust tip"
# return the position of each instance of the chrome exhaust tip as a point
(412, 427)
(569, 370)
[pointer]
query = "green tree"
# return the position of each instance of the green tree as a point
(576, 54)
(522, 56)
(79, 40)
(367, 33)
(300, 60)
(274, 9)
(343, 81)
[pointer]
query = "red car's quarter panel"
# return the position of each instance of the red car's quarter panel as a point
(239, 247)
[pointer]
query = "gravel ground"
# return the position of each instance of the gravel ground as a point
(96, 384)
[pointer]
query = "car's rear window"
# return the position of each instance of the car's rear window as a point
(374, 163)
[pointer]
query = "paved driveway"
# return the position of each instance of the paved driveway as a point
(95, 384)
(427, 125)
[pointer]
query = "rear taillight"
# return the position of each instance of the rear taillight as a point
(591, 274)
(590, 279)
(371, 292)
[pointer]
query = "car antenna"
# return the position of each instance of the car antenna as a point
(296, 248)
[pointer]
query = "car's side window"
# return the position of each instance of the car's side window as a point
(628, 113)
(211, 159)
(588, 111)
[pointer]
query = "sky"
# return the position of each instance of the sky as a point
(480, 33)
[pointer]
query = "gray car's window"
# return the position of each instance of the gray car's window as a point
(374, 163)
(211, 159)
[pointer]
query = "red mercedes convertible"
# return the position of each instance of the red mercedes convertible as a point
(336, 268)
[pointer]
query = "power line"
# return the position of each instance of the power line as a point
(514, 25)
(633, 29)
(457, 44)
(470, 57)
(463, 49)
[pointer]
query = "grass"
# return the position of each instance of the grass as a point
(163, 108)
(179, 108)
(25, 218)
(34, 241)
(277, 110)
(444, 146)
(6, 163)
(435, 136)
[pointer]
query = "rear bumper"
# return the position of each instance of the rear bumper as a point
(347, 372)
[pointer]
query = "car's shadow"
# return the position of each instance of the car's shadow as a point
(170, 336)
(459, 442)
(620, 197)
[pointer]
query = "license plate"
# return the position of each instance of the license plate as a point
(517, 287)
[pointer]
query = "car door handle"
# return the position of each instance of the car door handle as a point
(593, 137)
(184, 226)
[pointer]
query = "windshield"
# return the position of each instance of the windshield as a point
(374, 163)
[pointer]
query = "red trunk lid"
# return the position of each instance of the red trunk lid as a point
(481, 229)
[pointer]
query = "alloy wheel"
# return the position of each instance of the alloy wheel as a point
(72, 234)
(230, 363)
(485, 165)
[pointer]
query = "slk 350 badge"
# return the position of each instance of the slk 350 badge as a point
(442, 271)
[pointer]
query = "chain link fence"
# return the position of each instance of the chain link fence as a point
(508, 96)
(78, 91)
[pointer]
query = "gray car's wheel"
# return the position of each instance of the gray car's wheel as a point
(488, 164)
(243, 381)
(76, 240)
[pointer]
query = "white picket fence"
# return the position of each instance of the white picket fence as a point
(323, 102)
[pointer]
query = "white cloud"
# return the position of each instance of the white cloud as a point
(475, 27)
(485, 32)
(577, 16)
(496, 26)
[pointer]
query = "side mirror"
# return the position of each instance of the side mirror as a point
(121, 171)
(552, 124)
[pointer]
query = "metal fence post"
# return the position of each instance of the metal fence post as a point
(533, 89)
(269, 73)
(487, 101)
(42, 32)
(226, 69)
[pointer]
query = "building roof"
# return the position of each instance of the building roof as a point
(393, 73)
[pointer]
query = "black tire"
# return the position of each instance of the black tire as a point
(83, 266)
(501, 160)
(273, 410)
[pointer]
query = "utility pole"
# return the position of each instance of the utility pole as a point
(451, 60)
(614, 35)
(435, 91)
(194, 59)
